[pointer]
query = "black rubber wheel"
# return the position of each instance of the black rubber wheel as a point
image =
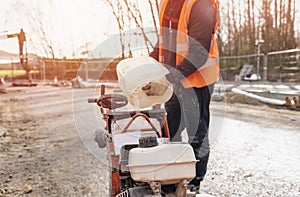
(100, 138)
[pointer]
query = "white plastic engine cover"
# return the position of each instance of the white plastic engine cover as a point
(166, 163)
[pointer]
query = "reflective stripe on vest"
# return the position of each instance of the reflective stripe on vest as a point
(162, 7)
(209, 72)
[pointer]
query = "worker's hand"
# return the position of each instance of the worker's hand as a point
(154, 89)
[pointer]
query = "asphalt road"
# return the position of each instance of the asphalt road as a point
(49, 146)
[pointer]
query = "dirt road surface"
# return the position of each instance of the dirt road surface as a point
(47, 147)
(41, 151)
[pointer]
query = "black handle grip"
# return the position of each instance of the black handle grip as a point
(92, 100)
(102, 90)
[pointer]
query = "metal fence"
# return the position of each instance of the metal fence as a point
(86, 69)
(273, 66)
(279, 66)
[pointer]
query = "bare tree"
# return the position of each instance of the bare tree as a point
(153, 14)
(34, 18)
(290, 18)
(128, 15)
(117, 10)
(275, 23)
(135, 13)
(271, 20)
(41, 38)
(229, 28)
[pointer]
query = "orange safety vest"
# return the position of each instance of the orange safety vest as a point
(209, 72)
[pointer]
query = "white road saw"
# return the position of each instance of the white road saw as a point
(142, 160)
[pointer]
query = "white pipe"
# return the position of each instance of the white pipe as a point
(260, 98)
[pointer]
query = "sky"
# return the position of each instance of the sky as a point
(72, 26)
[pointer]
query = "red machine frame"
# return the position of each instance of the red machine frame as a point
(105, 101)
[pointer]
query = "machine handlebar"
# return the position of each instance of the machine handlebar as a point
(110, 101)
(92, 100)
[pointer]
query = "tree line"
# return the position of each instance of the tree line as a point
(242, 22)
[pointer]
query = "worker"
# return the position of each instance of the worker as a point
(187, 47)
(22, 39)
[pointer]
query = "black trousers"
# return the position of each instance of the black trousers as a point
(188, 109)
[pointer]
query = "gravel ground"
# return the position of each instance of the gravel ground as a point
(257, 153)
(43, 154)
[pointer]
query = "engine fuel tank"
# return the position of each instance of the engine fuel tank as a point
(167, 163)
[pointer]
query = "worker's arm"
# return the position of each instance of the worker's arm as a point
(200, 30)
(155, 53)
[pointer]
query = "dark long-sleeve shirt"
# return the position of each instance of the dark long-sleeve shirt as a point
(200, 29)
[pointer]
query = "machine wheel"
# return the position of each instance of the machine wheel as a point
(100, 138)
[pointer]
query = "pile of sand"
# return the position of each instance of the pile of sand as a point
(239, 98)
